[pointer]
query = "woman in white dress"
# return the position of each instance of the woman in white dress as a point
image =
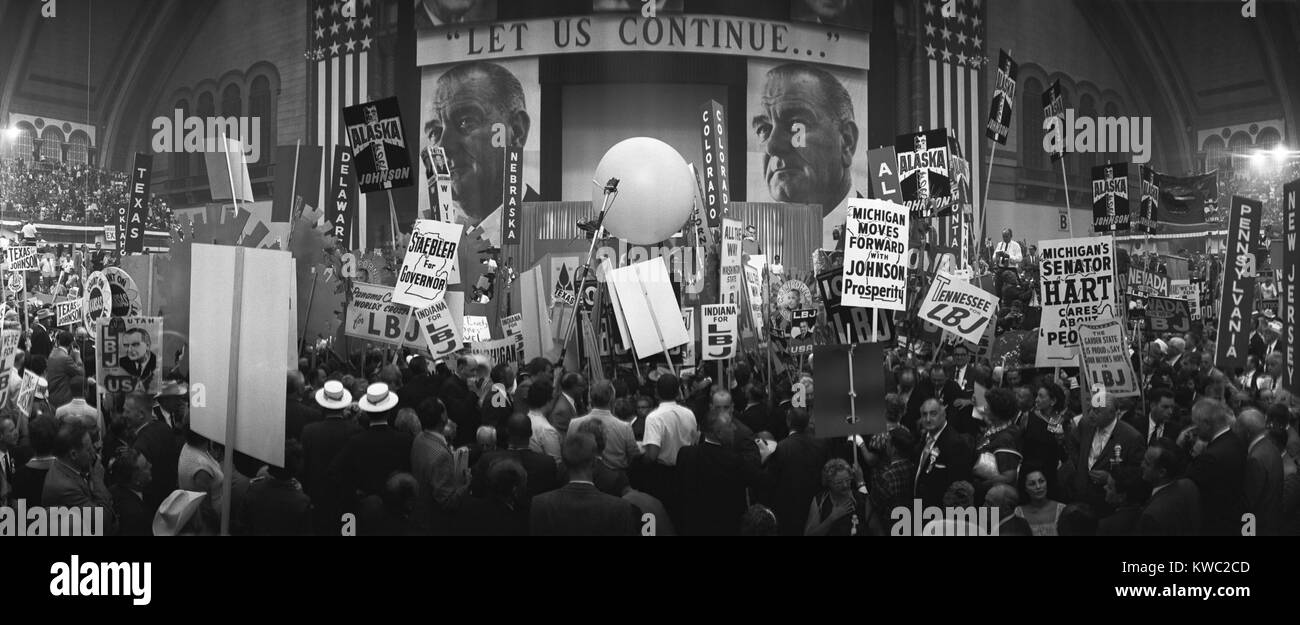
(1040, 512)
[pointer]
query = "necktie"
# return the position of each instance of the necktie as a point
(1155, 434)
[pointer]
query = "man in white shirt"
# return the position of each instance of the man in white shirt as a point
(670, 426)
(545, 439)
(1008, 250)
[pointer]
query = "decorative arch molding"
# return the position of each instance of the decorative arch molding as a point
(1252, 130)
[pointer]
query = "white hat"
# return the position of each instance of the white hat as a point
(378, 398)
(176, 512)
(333, 396)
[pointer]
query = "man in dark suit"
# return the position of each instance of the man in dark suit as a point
(540, 468)
(572, 386)
(946, 456)
(297, 414)
(713, 478)
(72, 481)
(275, 504)
(499, 512)
(157, 442)
(1174, 508)
(1263, 481)
(321, 443)
(793, 473)
(1104, 443)
(1126, 492)
(40, 343)
(578, 509)
(63, 365)
(1160, 423)
(131, 473)
(938, 385)
(1219, 471)
(367, 459)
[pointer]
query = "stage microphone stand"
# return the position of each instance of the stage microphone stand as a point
(611, 193)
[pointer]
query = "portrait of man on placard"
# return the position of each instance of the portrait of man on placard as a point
(430, 13)
(473, 111)
(803, 147)
(854, 14)
(138, 359)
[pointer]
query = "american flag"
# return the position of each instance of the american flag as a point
(955, 51)
(340, 54)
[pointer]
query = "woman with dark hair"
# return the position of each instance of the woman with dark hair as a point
(997, 450)
(842, 508)
(1044, 440)
(1039, 510)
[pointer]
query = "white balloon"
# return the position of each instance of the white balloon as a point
(655, 190)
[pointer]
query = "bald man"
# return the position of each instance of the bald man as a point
(1219, 470)
(1263, 481)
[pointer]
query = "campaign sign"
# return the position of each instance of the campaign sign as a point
(429, 264)
(1077, 284)
(959, 308)
(719, 324)
(875, 255)
(378, 145)
(21, 258)
(1165, 314)
(439, 329)
(129, 354)
(1105, 357)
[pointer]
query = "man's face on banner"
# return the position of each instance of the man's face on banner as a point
(134, 346)
(807, 150)
(466, 114)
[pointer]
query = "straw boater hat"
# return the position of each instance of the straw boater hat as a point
(378, 398)
(333, 396)
(176, 512)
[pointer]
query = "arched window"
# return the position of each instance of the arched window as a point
(261, 107)
(231, 105)
(1032, 155)
(78, 148)
(24, 143)
(180, 160)
(1214, 153)
(1267, 139)
(1239, 146)
(52, 148)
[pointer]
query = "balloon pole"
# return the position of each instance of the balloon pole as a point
(611, 192)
